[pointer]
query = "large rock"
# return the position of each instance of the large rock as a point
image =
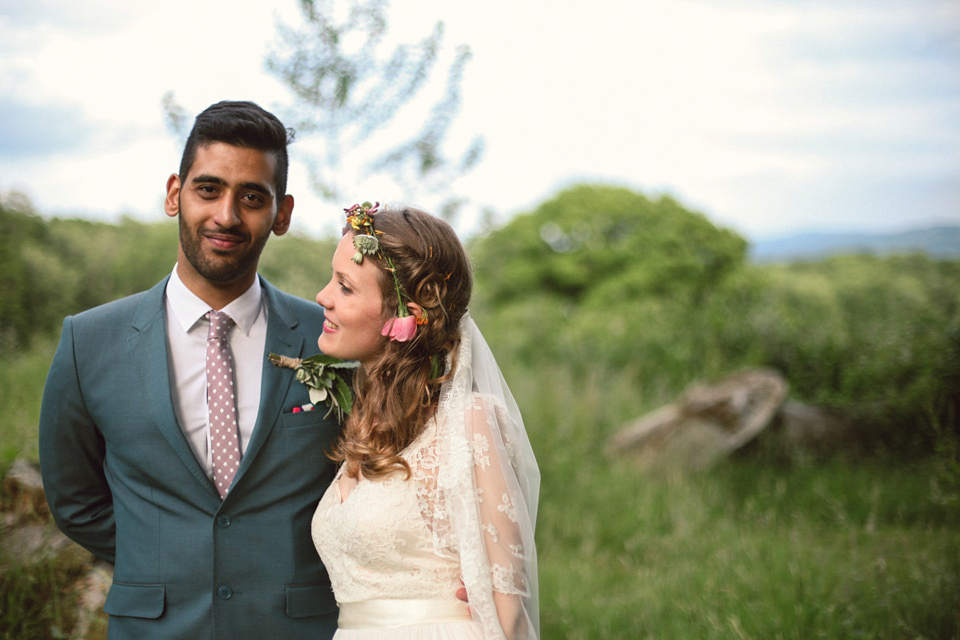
(707, 422)
(711, 420)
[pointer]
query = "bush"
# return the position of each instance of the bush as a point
(603, 276)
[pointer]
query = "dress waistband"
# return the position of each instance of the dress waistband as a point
(373, 614)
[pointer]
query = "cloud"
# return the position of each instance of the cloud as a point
(33, 130)
(765, 114)
(89, 15)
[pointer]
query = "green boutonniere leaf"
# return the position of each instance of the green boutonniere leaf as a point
(327, 379)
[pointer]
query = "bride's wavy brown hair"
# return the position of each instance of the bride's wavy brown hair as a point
(394, 396)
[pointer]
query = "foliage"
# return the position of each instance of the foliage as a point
(656, 293)
(614, 275)
(298, 264)
(850, 547)
(52, 268)
(328, 379)
(754, 548)
(32, 604)
(349, 84)
(876, 337)
(843, 548)
(22, 374)
(26, 290)
(593, 245)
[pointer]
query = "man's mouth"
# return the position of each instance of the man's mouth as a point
(223, 240)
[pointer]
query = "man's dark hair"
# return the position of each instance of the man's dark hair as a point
(241, 124)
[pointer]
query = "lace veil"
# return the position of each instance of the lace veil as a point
(488, 480)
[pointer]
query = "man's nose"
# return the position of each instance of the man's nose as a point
(226, 213)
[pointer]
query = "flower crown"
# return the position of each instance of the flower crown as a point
(366, 243)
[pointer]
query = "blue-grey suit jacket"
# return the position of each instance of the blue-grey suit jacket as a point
(122, 481)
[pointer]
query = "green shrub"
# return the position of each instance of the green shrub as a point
(605, 276)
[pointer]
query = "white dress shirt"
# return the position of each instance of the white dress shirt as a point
(187, 359)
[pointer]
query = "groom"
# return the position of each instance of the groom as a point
(131, 466)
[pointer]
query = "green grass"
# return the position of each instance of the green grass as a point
(832, 551)
(33, 605)
(22, 375)
(759, 547)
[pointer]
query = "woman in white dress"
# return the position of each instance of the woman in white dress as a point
(438, 484)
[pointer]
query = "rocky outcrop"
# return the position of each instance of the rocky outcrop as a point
(709, 421)
(33, 551)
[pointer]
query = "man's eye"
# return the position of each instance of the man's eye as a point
(253, 199)
(207, 191)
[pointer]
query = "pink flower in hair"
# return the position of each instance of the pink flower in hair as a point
(400, 329)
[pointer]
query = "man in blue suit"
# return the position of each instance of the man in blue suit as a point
(125, 442)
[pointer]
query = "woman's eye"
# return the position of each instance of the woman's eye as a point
(345, 289)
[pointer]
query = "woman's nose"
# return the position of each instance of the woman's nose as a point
(322, 299)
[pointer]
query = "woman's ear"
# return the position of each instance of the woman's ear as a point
(415, 309)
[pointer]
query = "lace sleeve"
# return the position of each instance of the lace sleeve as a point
(489, 478)
(504, 522)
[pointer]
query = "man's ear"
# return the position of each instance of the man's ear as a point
(171, 204)
(284, 212)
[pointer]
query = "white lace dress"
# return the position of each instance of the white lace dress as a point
(397, 548)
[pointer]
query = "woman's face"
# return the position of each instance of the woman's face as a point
(354, 307)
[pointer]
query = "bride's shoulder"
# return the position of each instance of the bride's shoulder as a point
(485, 402)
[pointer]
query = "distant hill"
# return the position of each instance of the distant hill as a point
(940, 242)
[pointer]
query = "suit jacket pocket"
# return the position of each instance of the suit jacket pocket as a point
(308, 419)
(306, 600)
(135, 600)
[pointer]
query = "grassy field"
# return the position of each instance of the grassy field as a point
(749, 550)
(758, 547)
(21, 387)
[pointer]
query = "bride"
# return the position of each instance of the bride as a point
(438, 484)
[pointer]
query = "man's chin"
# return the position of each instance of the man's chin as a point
(223, 269)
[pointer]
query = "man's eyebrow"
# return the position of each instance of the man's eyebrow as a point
(252, 186)
(256, 186)
(209, 180)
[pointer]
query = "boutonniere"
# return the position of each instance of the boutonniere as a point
(326, 379)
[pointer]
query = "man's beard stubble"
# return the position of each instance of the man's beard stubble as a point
(227, 268)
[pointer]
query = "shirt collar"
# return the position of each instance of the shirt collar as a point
(190, 309)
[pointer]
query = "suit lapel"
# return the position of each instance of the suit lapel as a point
(282, 339)
(147, 346)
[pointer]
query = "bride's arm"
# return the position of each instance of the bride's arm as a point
(506, 521)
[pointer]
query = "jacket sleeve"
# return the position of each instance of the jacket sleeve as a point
(72, 457)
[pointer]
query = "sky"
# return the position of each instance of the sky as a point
(770, 117)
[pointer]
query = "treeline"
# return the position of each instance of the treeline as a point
(52, 268)
(602, 282)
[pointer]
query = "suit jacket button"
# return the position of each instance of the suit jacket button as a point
(225, 593)
(223, 521)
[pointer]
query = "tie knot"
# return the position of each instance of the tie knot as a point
(220, 324)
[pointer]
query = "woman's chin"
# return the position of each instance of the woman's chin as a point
(326, 346)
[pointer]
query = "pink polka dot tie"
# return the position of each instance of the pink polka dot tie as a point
(221, 402)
